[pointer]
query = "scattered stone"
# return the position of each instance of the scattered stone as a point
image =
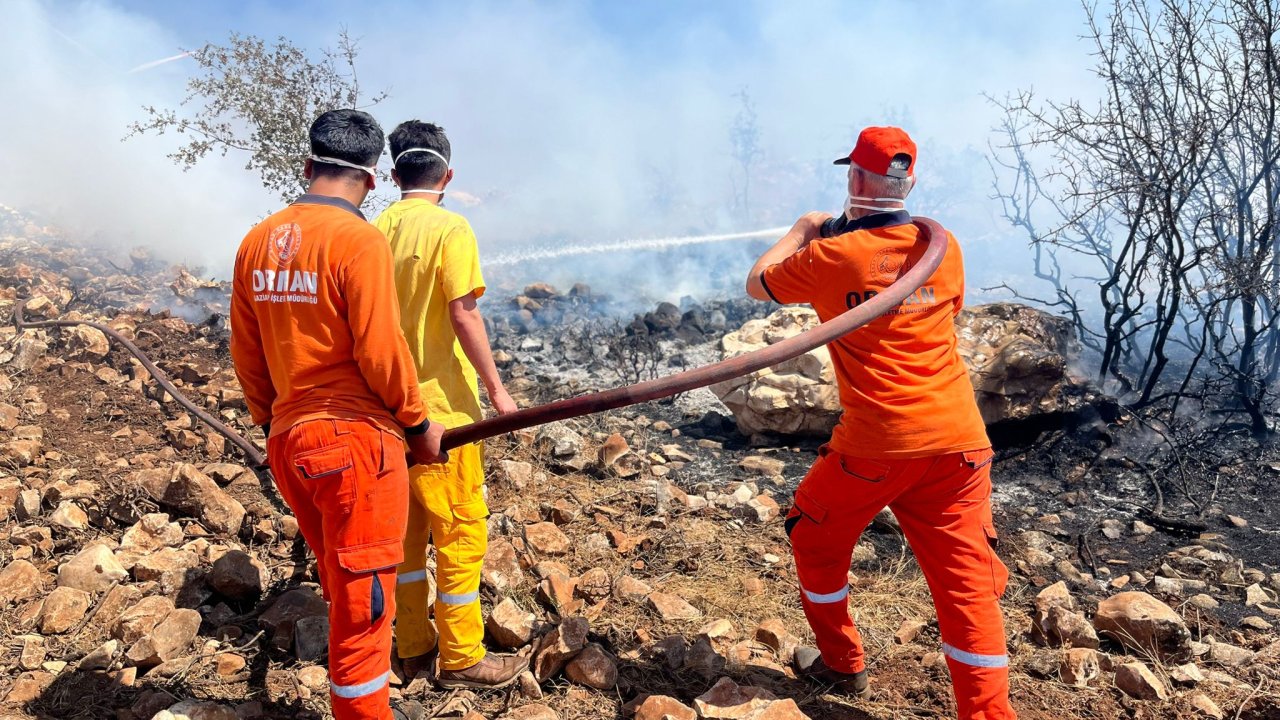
(773, 634)
(29, 686)
(762, 508)
(1205, 707)
(238, 575)
(727, 700)
(502, 571)
(1142, 623)
(69, 516)
(1230, 655)
(612, 449)
(168, 640)
(186, 489)
(1079, 666)
(63, 609)
(629, 588)
(534, 711)
(1137, 680)
(529, 686)
(27, 504)
(1254, 595)
(663, 707)
(281, 618)
(152, 532)
(92, 570)
(33, 652)
(197, 710)
(20, 580)
(314, 677)
(672, 607)
(229, 664)
(510, 626)
(515, 473)
(556, 591)
(559, 647)
(1253, 622)
(141, 618)
(761, 465)
(593, 667)
(100, 658)
(1186, 674)
(909, 631)
(175, 571)
(311, 638)
(547, 539)
(703, 658)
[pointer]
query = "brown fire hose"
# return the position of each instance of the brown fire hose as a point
(254, 455)
(743, 364)
(837, 327)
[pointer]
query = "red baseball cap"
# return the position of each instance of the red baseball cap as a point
(884, 151)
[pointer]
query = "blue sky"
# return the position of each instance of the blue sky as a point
(565, 116)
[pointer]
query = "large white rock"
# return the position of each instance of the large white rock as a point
(1017, 358)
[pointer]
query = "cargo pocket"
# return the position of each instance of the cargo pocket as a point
(863, 469)
(471, 511)
(331, 464)
(999, 573)
(805, 507)
(978, 458)
(371, 537)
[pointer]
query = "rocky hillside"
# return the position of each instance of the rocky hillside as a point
(637, 556)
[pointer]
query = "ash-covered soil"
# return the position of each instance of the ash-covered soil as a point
(634, 553)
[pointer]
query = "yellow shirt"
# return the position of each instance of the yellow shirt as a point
(436, 261)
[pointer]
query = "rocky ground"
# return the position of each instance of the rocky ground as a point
(638, 556)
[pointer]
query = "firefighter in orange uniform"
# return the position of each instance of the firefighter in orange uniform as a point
(911, 437)
(316, 342)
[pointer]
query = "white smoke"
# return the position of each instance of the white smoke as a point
(571, 122)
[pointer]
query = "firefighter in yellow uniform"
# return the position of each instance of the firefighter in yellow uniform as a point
(437, 273)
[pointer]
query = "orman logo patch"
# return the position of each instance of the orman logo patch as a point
(887, 264)
(285, 242)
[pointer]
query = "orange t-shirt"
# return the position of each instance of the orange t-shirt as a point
(315, 323)
(904, 388)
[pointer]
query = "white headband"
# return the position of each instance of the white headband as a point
(443, 159)
(343, 163)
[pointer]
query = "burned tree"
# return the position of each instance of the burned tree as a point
(259, 98)
(1163, 196)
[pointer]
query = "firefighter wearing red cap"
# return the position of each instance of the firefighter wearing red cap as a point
(911, 437)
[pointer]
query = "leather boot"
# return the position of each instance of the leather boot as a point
(494, 671)
(809, 662)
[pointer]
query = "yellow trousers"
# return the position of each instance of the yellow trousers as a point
(447, 508)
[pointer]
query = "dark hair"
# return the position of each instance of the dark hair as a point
(349, 135)
(419, 169)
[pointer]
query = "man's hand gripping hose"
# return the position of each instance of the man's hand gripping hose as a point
(908, 283)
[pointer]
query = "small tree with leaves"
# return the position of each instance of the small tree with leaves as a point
(259, 98)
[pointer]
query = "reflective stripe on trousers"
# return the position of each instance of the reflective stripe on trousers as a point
(447, 506)
(943, 505)
(357, 691)
(347, 485)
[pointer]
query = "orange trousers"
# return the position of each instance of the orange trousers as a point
(348, 486)
(943, 504)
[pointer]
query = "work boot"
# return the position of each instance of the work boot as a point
(494, 671)
(809, 662)
(424, 664)
(407, 710)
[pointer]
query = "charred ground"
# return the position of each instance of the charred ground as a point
(647, 494)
